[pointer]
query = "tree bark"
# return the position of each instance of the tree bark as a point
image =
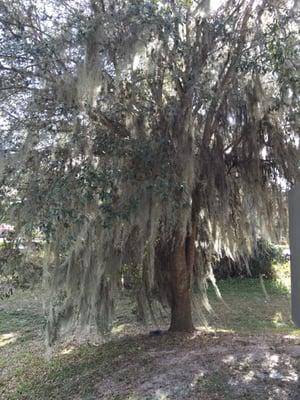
(180, 283)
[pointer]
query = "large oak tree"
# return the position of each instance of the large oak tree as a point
(150, 133)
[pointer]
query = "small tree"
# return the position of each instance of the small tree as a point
(146, 133)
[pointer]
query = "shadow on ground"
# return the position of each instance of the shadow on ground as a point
(200, 366)
(250, 354)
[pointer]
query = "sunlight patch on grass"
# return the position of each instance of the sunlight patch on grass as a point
(292, 333)
(210, 329)
(282, 274)
(8, 338)
(229, 359)
(160, 395)
(278, 320)
(67, 350)
(119, 329)
(249, 376)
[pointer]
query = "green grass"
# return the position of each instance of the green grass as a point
(73, 374)
(65, 376)
(25, 321)
(247, 309)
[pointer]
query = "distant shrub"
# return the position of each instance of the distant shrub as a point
(18, 266)
(260, 263)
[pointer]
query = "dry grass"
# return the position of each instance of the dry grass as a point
(249, 351)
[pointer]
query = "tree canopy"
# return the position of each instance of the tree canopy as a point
(151, 133)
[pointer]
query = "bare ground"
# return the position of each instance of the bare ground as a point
(209, 365)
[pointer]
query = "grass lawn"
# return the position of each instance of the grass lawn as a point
(247, 309)
(248, 350)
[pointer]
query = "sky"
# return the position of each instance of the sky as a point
(215, 4)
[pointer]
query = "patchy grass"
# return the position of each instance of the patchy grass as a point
(247, 351)
(247, 309)
(283, 274)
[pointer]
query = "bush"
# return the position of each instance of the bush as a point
(260, 263)
(19, 267)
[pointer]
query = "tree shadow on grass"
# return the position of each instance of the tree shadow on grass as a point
(20, 320)
(207, 365)
(172, 366)
(20, 325)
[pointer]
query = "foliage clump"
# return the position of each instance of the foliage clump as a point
(259, 263)
(20, 267)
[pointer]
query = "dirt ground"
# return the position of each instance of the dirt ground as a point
(206, 366)
(210, 364)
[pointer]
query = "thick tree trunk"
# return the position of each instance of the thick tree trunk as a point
(180, 284)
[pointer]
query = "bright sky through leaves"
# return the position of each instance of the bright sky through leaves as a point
(215, 4)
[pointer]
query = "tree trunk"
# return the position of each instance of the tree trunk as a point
(180, 283)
